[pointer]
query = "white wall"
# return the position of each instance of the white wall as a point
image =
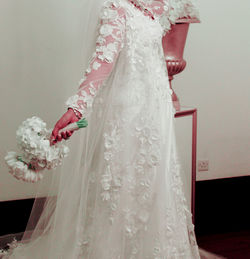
(39, 71)
(39, 68)
(217, 82)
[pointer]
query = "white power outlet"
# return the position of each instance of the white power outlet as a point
(203, 165)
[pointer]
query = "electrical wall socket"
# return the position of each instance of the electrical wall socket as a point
(203, 165)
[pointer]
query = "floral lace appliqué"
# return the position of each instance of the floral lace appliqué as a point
(140, 184)
(111, 178)
(108, 45)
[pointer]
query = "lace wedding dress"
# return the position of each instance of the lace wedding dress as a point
(125, 192)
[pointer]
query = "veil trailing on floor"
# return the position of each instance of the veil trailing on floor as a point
(75, 173)
(83, 17)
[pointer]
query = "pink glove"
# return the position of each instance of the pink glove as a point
(67, 118)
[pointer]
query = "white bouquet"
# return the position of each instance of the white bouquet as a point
(33, 140)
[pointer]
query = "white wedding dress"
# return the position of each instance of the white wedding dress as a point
(123, 198)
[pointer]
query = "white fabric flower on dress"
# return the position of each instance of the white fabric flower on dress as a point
(106, 30)
(108, 44)
(105, 195)
(100, 40)
(96, 65)
(108, 14)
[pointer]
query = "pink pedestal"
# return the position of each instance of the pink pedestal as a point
(190, 111)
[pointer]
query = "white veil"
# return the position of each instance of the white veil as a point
(85, 27)
(57, 214)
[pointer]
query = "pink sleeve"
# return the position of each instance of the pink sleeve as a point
(108, 45)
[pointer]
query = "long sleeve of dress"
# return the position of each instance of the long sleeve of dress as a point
(108, 45)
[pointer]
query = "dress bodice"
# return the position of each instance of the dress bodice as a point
(125, 31)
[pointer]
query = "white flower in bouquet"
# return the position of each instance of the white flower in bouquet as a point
(33, 140)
